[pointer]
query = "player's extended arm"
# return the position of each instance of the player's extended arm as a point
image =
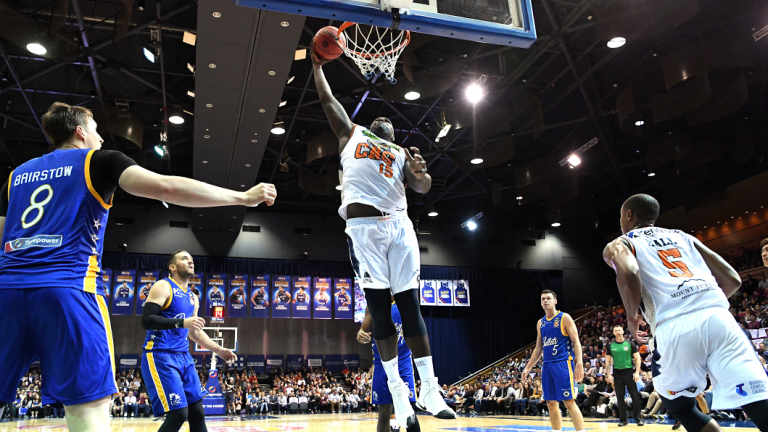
(726, 276)
(158, 297)
(618, 256)
(189, 192)
(198, 336)
(364, 334)
(573, 334)
(416, 171)
(536, 354)
(337, 116)
(637, 361)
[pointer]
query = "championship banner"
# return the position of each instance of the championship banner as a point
(360, 303)
(281, 297)
(321, 298)
(428, 297)
(461, 293)
(300, 295)
(259, 298)
(106, 284)
(342, 298)
(217, 285)
(238, 295)
(146, 280)
(124, 289)
(196, 285)
(444, 293)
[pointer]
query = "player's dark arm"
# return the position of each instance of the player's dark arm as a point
(636, 359)
(416, 171)
(364, 334)
(337, 116)
(536, 354)
(726, 276)
(619, 257)
(573, 335)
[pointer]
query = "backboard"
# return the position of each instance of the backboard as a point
(224, 336)
(500, 22)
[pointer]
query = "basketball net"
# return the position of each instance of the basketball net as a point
(374, 49)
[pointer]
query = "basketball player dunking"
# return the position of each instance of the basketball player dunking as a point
(382, 242)
(170, 317)
(682, 286)
(557, 340)
(54, 215)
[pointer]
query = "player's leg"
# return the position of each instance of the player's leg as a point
(551, 373)
(382, 398)
(575, 413)
(555, 417)
(14, 353)
(193, 394)
(684, 410)
(758, 413)
(90, 416)
(385, 413)
(165, 387)
(196, 417)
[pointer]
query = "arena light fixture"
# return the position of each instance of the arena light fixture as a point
(176, 119)
(519, 197)
(160, 150)
(443, 132)
(476, 161)
(474, 93)
(148, 54)
(616, 42)
(651, 174)
(556, 224)
(412, 95)
(639, 123)
(36, 48)
(433, 213)
(574, 160)
(338, 187)
(472, 223)
(277, 130)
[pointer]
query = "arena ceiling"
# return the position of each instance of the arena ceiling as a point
(679, 111)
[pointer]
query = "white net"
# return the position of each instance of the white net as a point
(375, 49)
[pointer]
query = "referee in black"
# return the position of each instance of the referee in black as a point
(621, 354)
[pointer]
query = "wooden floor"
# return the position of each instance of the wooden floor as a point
(353, 423)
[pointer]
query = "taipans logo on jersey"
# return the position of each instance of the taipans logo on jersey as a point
(549, 341)
(691, 389)
(43, 240)
(556, 323)
(174, 399)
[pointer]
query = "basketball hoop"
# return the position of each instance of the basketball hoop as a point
(374, 48)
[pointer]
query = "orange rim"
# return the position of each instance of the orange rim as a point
(348, 24)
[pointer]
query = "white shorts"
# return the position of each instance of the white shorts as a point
(708, 342)
(384, 252)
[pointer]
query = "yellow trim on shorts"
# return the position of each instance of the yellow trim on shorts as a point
(156, 380)
(89, 184)
(104, 310)
(91, 274)
(150, 345)
(570, 375)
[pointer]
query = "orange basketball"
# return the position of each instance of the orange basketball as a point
(328, 43)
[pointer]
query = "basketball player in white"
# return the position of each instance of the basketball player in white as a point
(382, 243)
(682, 288)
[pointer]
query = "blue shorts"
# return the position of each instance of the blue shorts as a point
(557, 381)
(171, 380)
(379, 388)
(69, 331)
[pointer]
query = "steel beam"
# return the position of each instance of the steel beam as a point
(23, 94)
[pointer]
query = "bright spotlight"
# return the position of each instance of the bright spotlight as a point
(476, 161)
(412, 95)
(639, 123)
(278, 130)
(519, 197)
(474, 93)
(556, 224)
(616, 42)
(148, 54)
(36, 48)
(574, 160)
(160, 150)
(651, 174)
(471, 225)
(176, 119)
(433, 214)
(338, 187)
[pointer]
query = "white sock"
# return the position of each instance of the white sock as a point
(391, 369)
(425, 368)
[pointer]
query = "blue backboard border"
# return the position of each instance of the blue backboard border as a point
(416, 20)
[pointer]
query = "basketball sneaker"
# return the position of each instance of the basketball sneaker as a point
(404, 414)
(431, 400)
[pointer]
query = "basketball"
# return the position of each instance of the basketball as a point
(326, 45)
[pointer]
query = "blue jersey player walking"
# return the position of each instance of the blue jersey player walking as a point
(170, 317)
(557, 341)
(53, 217)
(380, 391)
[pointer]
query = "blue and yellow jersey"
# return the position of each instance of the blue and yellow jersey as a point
(555, 343)
(55, 224)
(180, 304)
(403, 352)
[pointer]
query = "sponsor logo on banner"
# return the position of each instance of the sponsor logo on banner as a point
(43, 241)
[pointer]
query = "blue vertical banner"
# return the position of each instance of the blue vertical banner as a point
(300, 307)
(260, 297)
(444, 293)
(215, 297)
(342, 298)
(123, 292)
(428, 297)
(281, 297)
(238, 296)
(461, 293)
(106, 284)
(146, 280)
(360, 303)
(321, 298)
(196, 285)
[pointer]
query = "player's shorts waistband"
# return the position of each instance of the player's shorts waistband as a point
(687, 315)
(370, 220)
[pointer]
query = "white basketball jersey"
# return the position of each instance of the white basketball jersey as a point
(676, 280)
(372, 173)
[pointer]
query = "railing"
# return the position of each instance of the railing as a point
(578, 316)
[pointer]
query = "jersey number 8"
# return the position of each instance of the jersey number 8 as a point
(34, 204)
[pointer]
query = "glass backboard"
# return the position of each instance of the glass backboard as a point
(501, 22)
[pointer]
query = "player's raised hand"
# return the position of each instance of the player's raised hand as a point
(262, 192)
(363, 337)
(194, 323)
(227, 354)
(316, 60)
(415, 162)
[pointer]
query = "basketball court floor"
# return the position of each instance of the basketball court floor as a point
(357, 423)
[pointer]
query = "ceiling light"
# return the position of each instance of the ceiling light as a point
(433, 213)
(285, 23)
(211, 65)
(190, 67)
(300, 54)
(148, 54)
(474, 93)
(190, 93)
(176, 119)
(639, 122)
(160, 150)
(209, 105)
(165, 204)
(574, 160)
(216, 14)
(247, 165)
(283, 103)
(471, 225)
(338, 187)
(412, 95)
(290, 80)
(205, 162)
(519, 197)
(277, 130)
(651, 174)
(616, 42)
(556, 224)
(476, 161)
(189, 38)
(36, 48)
(443, 132)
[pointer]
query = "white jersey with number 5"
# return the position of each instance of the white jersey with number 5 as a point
(676, 280)
(372, 173)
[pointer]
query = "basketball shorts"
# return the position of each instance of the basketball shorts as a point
(557, 380)
(380, 394)
(384, 252)
(708, 342)
(69, 332)
(171, 380)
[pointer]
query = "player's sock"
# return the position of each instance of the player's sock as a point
(425, 368)
(391, 368)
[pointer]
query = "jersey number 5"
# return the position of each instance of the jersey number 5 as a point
(672, 260)
(37, 206)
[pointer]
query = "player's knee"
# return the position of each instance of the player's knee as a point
(176, 418)
(379, 305)
(551, 404)
(684, 410)
(196, 411)
(758, 412)
(410, 312)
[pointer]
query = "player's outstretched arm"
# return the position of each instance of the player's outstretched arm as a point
(364, 334)
(620, 258)
(726, 276)
(337, 116)
(416, 171)
(573, 335)
(198, 336)
(535, 355)
(189, 192)
(159, 298)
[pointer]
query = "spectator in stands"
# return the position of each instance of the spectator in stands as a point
(143, 404)
(117, 405)
(131, 405)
